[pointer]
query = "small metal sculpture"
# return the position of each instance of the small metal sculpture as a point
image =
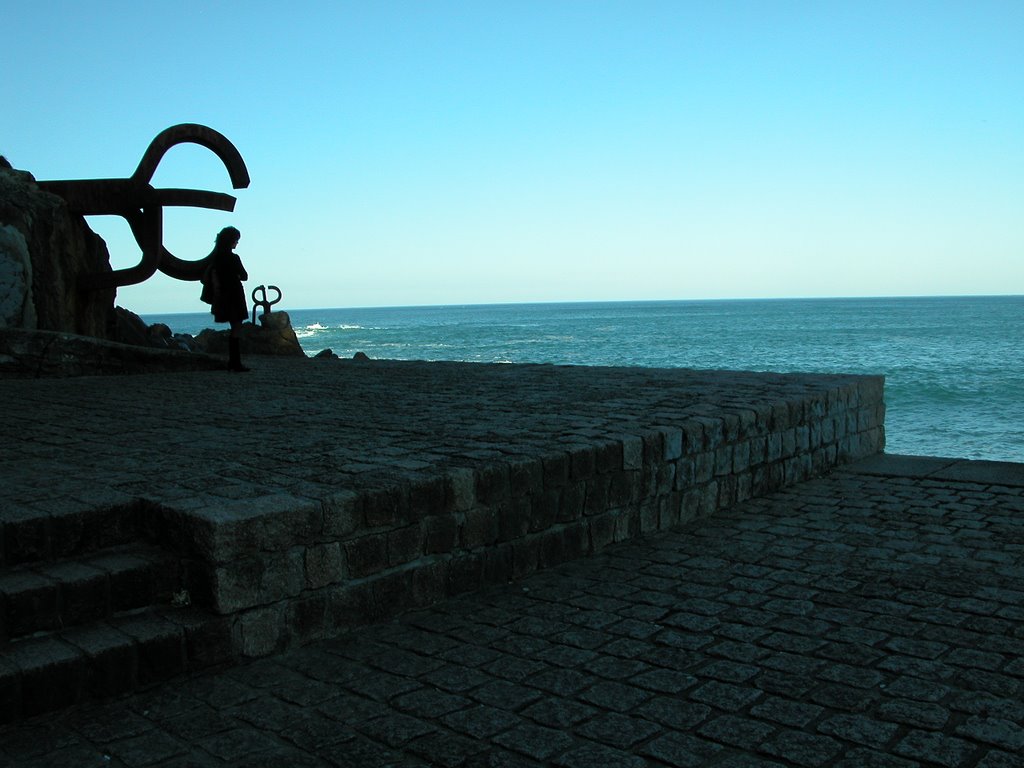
(263, 302)
(135, 200)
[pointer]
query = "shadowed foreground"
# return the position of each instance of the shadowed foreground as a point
(872, 617)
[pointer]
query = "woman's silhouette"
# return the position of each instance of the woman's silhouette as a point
(227, 274)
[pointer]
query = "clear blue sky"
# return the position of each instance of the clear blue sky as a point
(475, 152)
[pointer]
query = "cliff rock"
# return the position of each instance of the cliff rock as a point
(43, 250)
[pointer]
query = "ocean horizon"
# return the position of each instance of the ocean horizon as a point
(953, 364)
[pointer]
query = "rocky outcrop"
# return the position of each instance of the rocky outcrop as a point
(48, 354)
(273, 336)
(44, 250)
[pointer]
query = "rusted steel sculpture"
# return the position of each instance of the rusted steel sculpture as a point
(135, 200)
(265, 303)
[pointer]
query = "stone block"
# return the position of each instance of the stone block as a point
(691, 504)
(601, 529)
(597, 494)
(672, 440)
(572, 502)
(159, 644)
(582, 462)
(52, 674)
(207, 640)
(563, 544)
(440, 534)
(325, 564)
(236, 585)
(492, 484)
(262, 631)
(28, 604)
(623, 489)
(480, 528)
(284, 575)
(460, 486)
(556, 470)
(515, 520)
(789, 443)
(342, 514)
(703, 467)
(741, 456)
(10, 691)
(405, 544)
(525, 477)
(670, 510)
(386, 507)
(543, 509)
(349, 606)
(685, 471)
(465, 573)
(366, 554)
(632, 452)
(693, 437)
(306, 617)
(608, 456)
(498, 564)
(666, 478)
(112, 663)
(427, 497)
(429, 583)
(525, 556)
(649, 517)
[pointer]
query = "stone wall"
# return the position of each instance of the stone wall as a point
(289, 570)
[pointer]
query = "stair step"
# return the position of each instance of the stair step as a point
(51, 596)
(124, 653)
(30, 534)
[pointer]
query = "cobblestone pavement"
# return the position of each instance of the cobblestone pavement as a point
(863, 619)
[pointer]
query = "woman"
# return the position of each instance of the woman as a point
(227, 274)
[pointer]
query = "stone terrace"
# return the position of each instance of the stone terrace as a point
(155, 524)
(868, 618)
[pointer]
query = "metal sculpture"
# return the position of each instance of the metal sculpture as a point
(264, 302)
(136, 201)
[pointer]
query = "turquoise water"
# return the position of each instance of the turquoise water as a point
(953, 365)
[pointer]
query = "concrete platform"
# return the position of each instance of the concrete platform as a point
(311, 497)
(871, 617)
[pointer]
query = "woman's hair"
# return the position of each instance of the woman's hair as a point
(226, 238)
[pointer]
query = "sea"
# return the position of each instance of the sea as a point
(953, 365)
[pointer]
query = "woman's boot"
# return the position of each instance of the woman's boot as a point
(235, 355)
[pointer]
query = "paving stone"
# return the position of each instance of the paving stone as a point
(725, 696)
(934, 748)
(535, 741)
(1002, 733)
(859, 729)
(481, 722)
(597, 754)
(559, 713)
(786, 712)
(395, 730)
(917, 713)
(682, 750)
(619, 731)
(615, 696)
(802, 748)
(736, 731)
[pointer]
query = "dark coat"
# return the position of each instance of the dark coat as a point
(229, 299)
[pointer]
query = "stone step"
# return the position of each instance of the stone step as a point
(127, 652)
(49, 596)
(29, 534)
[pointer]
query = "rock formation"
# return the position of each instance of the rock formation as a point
(44, 249)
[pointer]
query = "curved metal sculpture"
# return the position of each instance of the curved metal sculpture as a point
(135, 200)
(265, 303)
